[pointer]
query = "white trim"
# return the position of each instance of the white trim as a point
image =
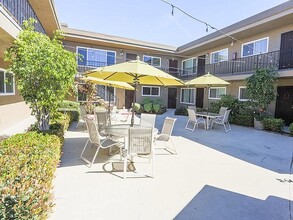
(254, 42)
(5, 93)
(151, 90)
(216, 88)
(152, 60)
(241, 87)
(211, 55)
(115, 58)
(182, 93)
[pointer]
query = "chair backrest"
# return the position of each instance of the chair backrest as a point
(147, 120)
(114, 109)
(82, 111)
(191, 114)
(92, 129)
(226, 116)
(222, 111)
(101, 119)
(140, 140)
(192, 107)
(168, 126)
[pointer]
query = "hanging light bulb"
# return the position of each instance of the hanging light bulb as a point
(207, 28)
(172, 13)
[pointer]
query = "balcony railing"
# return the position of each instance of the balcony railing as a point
(245, 64)
(187, 73)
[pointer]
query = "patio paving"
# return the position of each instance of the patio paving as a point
(242, 174)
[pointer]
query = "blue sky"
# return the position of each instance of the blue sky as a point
(151, 20)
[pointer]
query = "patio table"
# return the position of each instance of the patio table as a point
(122, 130)
(208, 116)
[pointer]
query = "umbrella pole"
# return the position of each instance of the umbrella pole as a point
(133, 103)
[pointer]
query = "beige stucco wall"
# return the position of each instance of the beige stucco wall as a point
(12, 114)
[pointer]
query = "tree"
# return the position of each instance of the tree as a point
(262, 87)
(44, 71)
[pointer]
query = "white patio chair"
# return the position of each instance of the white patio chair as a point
(222, 111)
(194, 120)
(223, 121)
(95, 139)
(125, 116)
(102, 121)
(192, 107)
(147, 120)
(166, 135)
(140, 143)
(82, 115)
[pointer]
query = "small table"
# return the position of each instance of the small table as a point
(122, 130)
(208, 116)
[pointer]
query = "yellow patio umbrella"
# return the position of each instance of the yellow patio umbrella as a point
(135, 72)
(206, 81)
(116, 84)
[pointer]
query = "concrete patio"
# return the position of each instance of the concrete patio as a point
(242, 174)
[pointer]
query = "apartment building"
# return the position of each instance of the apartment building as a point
(12, 13)
(264, 40)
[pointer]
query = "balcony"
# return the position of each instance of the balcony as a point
(244, 65)
(86, 65)
(186, 74)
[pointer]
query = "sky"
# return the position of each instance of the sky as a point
(151, 20)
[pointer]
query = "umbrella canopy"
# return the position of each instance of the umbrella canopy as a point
(116, 84)
(136, 72)
(206, 80)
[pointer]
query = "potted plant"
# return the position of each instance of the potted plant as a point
(262, 90)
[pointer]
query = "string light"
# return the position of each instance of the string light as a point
(213, 28)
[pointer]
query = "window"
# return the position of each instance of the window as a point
(216, 92)
(242, 95)
(187, 96)
(7, 86)
(154, 61)
(189, 66)
(95, 57)
(218, 56)
(150, 91)
(255, 47)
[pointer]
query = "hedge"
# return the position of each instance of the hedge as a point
(27, 165)
(273, 124)
(70, 108)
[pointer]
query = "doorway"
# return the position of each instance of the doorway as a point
(172, 97)
(286, 51)
(129, 94)
(199, 97)
(284, 105)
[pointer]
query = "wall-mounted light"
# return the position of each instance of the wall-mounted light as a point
(121, 52)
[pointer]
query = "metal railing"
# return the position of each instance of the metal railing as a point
(245, 64)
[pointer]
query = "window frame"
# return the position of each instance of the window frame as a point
(152, 60)
(254, 41)
(211, 56)
(159, 94)
(241, 87)
(181, 95)
(209, 97)
(192, 59)
(87, 48)
(13, 82)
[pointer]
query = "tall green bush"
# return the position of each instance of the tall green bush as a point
(27, 165)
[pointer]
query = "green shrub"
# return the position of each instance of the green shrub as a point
(70, 108)
(148, 107)
(291, 129)
(273, 124)
(156, 108)
(70, 104)
(181, 111)
(243, 120)
(27, 165)
(138, 108)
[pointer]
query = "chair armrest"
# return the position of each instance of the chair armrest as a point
(162, 137)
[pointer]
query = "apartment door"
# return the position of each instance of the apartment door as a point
(129, 94)
(286, 51)
(173, 66)
(284, 106)
(172, 97)
(199, 97)
(201, 65)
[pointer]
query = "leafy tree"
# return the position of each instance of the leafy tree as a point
(44, 71)
(262, 87)
(90, 90)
